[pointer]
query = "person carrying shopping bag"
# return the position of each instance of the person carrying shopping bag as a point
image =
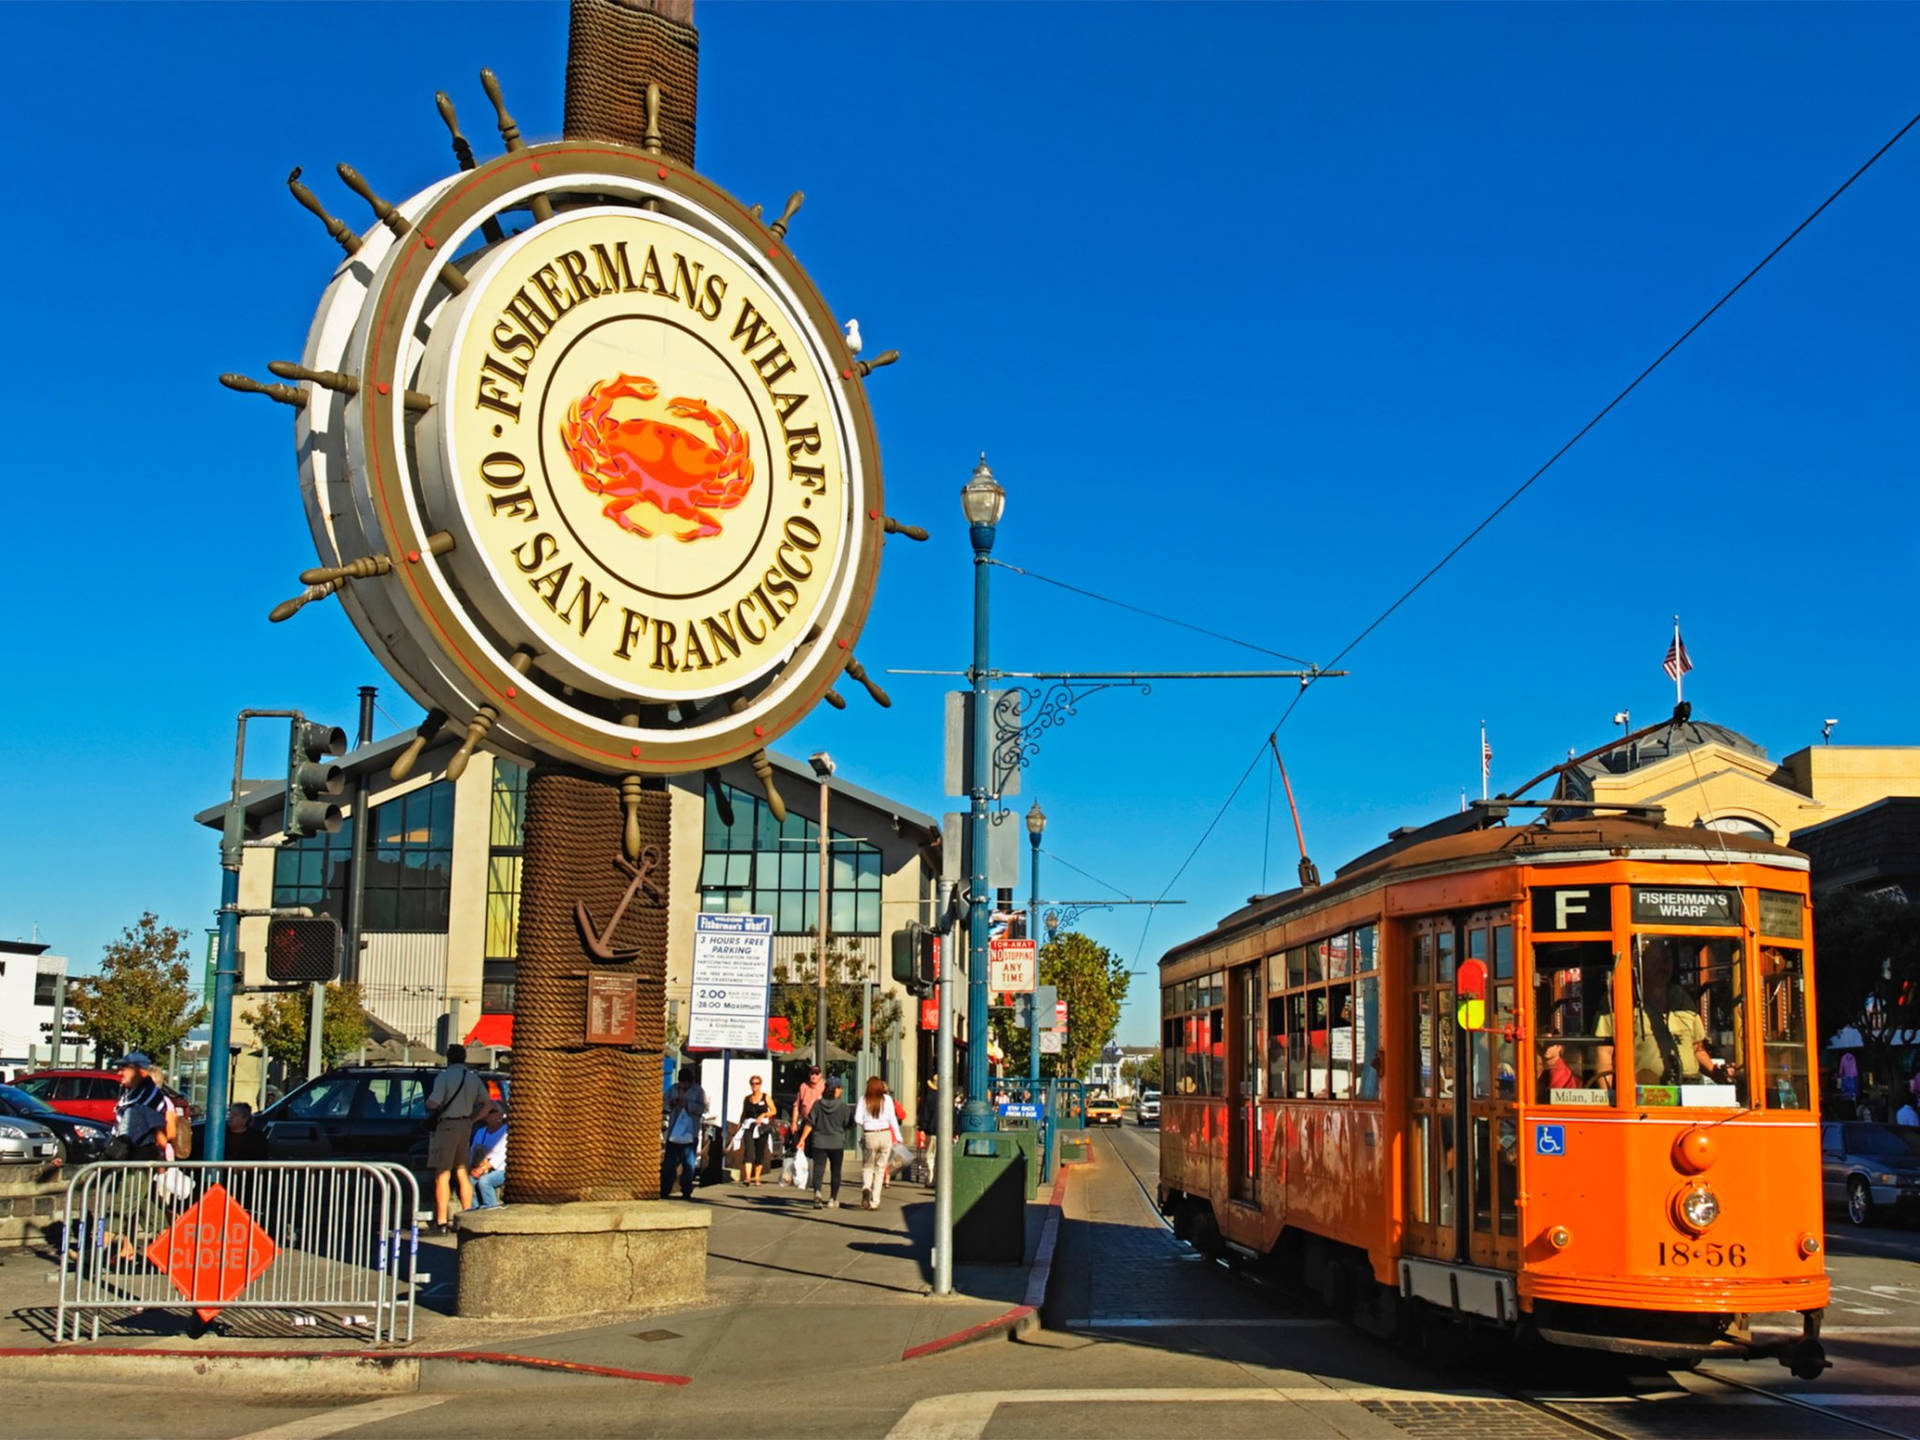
(879, 1133)
(756, 1126)
(827, 1126)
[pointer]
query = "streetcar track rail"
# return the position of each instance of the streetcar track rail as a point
(1555, 1407)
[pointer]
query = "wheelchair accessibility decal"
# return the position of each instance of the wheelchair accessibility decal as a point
(1549, 1139)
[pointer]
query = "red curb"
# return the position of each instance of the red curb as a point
(459, 1357)
(1037, 1279)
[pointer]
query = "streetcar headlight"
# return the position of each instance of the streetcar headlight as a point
(1699, 1207)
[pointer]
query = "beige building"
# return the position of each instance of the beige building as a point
(1716, 778)
(442, 890)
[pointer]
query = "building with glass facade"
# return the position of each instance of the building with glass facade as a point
(442, 891)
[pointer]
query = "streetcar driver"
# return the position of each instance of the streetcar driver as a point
(1669, 1037)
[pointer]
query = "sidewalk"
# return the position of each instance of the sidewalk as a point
(779, 1273)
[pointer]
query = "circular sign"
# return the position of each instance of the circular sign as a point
(608, 457)
(633, 459)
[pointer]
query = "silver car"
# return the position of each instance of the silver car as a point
(1870, 1169)
(27, 1142)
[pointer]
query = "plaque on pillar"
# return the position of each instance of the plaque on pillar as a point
(610, 1009)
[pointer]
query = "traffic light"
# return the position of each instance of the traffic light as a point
(313, 783)
(915, 958)
(303, 952)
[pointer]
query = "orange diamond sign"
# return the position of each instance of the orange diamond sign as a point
(214, 1250)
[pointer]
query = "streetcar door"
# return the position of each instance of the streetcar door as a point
(1244, 1052)
(1486, 1091)
(1435, 1100)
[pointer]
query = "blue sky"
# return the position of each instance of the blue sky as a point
(1255, 310)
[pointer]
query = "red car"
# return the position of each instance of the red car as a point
(90, 1094)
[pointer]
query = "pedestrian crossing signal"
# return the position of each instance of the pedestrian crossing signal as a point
(303, 952)
(915, 965)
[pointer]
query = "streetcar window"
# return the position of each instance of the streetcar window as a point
(1509, 1177)
(1503, 952)
(1317, 1053)
(1783, 1028)
(1367, 1055)
(1417, 1181)
(1316, 962)
(1689, 1028)
(1444, 1162)
(1479, 1049)
(1365, 941)
(1339, 957)
(1423, 1042)
(1340, 1041)
(1276, 973)
(1572, 1018)
(1445, 1029)
(1297, 1044)
(1477, 944)
(1296, 967)
(1217, 1051)
(1423, 959)
(1277, 1048)
(1505, 1075)
(1482, 1132)
(1443, 955)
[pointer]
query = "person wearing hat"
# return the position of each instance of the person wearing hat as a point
(828, 1125)
(143, 1117)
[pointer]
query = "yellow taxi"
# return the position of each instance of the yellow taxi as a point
(1103, 1110)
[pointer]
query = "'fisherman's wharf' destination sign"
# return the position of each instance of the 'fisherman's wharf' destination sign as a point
(587, 459)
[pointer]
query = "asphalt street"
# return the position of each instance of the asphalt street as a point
(1146, 1338)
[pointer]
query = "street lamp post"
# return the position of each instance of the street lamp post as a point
(1036, 823)
(983, 500)
(822, 764)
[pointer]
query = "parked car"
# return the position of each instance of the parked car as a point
(90, 1094)
(1146, 1110)
(81, 1141)
(1869, 1168)
(1103, 1110)
(357, 1112)
(27, 1142)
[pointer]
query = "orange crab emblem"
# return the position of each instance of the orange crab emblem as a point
(643, 458)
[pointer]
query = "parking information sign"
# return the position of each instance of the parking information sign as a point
(1011, 966)
(732, 970)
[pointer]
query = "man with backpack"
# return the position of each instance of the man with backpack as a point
(455, 1102)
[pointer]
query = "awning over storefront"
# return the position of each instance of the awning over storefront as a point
(493, 1031)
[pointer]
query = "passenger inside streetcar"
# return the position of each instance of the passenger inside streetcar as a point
(1673, 1046)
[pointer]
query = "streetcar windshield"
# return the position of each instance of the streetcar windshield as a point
(1572, 1020)
(1689, 1032)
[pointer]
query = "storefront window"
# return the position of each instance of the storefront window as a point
(1572, 1018)
(762, 866)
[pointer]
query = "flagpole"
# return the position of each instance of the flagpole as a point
(1679, 670)
(1483, 760)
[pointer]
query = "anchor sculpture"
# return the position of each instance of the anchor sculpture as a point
(599, 942)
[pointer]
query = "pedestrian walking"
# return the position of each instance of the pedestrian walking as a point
(686, 1107)
(879, 1132)
(811, 1089)
(828, 1125)
(926, 1124)
(756, 1126)
(144, 1125)
(487, 1156)
(457, 1097)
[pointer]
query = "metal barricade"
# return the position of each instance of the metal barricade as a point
(297, 1236)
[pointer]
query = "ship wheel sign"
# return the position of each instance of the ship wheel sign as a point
(587, 459)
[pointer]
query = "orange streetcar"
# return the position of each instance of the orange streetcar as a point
(1556, 1077)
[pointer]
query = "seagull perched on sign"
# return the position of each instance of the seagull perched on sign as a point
(853, 336)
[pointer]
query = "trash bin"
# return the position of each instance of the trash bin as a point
(989, 1199)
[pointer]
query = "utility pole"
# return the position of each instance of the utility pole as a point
(357, 848)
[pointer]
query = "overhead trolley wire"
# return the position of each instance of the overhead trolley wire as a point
(1150, 614)
(1520, 490)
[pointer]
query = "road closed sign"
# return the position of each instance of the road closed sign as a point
(732, 970)
(1011, 966)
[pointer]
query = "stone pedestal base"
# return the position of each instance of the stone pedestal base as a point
(535, 1261)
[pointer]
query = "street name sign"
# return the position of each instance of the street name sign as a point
(732, 970)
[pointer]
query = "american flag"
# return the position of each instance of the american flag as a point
(1677, 662)
(1486, 757)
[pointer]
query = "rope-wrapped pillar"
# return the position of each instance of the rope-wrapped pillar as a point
(586, 1123)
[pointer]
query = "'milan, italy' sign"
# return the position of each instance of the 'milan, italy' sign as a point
(604, 489)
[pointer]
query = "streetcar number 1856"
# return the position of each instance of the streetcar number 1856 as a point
(1711, 1254)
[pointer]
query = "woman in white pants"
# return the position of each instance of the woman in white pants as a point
(879, 1133)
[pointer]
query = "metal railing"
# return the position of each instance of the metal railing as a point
(294, 1236)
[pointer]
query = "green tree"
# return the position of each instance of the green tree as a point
(796, 997)
(1093, 982)
(281, 1023)
(143, 997)
(1142, 1073)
